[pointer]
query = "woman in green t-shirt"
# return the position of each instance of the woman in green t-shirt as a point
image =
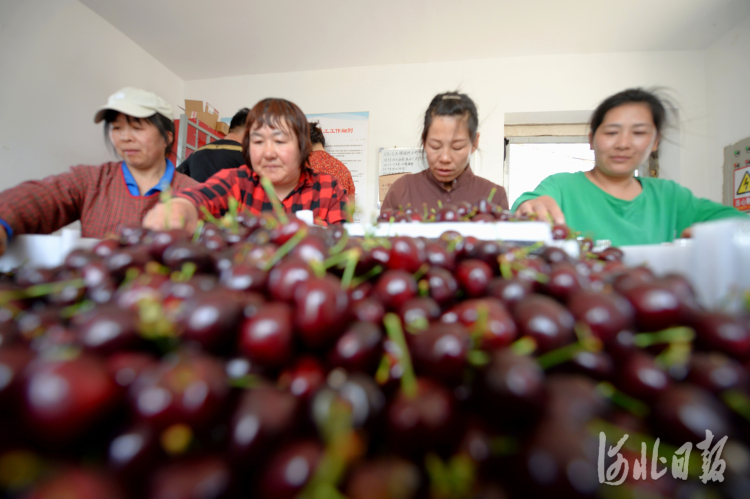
(609, 201)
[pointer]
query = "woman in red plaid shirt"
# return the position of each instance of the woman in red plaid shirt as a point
(276, 146)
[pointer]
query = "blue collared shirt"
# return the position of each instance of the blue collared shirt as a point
(166, 180)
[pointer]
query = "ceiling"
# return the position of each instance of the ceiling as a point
(198, 39)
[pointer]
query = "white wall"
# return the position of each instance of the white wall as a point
(396, 97)
(728, 85)
(59, 62)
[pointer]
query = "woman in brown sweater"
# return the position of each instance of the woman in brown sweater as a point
(449, 138)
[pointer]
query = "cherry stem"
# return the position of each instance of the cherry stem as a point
(479, 326)
(560, 355)
(165, 196)
(351, 264)
(478, 358)
(278, 208)
(341, 447)
(505, 269)
(340, 245)
(632, 405)
(672, 335)
(396, 335)
(738, 402)
(318, 268)
(421, 271)
(676, 354)
(523, 346)
(377, 269)
(233, 209)
(424, 288)
(455, 478)
(48, 288)
(198, 231)
(284, 249)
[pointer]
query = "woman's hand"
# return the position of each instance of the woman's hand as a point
(3, 240)
(179, 213)
(544, 207)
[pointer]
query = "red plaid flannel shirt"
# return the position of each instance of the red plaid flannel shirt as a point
(95, 195)
(320, 193)
(322, 162)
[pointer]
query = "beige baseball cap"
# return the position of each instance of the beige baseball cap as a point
(136, 103)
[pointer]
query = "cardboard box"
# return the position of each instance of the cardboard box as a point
(222, 127)
(386, 181)
(204, 112)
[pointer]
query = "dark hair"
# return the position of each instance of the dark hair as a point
(162, 123)
(452, 104)
(316, 134)
(632, 95)
(239, 119)
(274, 112)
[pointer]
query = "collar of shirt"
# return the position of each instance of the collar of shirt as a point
(466, 177)
(165, 180)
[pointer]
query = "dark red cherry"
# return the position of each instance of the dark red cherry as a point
(369, 310)
(206, 476)
(439, 256)
(284, 278)
(187, 388)
(244, 276)
(133, 453)
(289, 469)
(105, 247)
(595, 365)
(440, 351)
(547, 322)
(305, 377)
(13, 361)
(512, 387)
(359, 348)
(159, 241)
(424, 421)
(179, 253)
(212, 319)
(442, 285)
(656, 307)
(79, 484)
(564, 280)
(79, 258)
(498, 328)
(684, 413)
(64, 399)
(264, 418)
(551, 255)
(120, 260)
(407, 254)
(267, 337)
(358, 391)
(379, 477)
(284, 232)
(560, 231)
(419, 312)
(394, 288)
(125, 367)
(722, 332)
(606, 314)
(310, 248)
(509, 291)
(640, 377)
(483, 218)
(448, 213)
(108, 329)
(474, 277)
(322, 310)
(716, 372)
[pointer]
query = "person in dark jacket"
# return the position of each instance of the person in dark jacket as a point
(220, 154)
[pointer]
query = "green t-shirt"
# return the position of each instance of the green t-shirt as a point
(658, 214)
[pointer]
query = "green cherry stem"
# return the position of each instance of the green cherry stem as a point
(396, 335)
(278, 208)
(284, 249)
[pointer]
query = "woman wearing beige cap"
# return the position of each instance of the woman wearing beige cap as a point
(139, 126)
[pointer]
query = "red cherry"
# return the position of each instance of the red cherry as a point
(395, 287)
(322, 310)
(359, 348)
(267, 337)
(289, 470)
(474, 277)
(64, 399)
(546, 321)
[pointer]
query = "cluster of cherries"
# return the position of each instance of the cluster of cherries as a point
(269, 359)
(463, 211)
